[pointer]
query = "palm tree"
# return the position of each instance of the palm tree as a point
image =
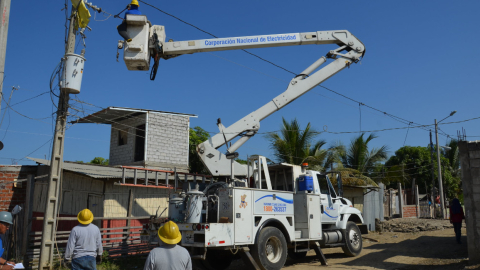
(358, 156)
(452, 155)
(294, 145)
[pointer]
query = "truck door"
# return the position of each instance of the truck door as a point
(330, 209)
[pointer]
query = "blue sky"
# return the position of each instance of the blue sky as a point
(420, 64)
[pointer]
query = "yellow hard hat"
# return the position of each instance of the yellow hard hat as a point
(169, 233)
(134, 2)
(85, 216)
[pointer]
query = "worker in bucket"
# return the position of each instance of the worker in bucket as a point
(5, 221)
(169, 256)
(84, 246)
(122, 28)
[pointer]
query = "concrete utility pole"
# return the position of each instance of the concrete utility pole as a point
(56, 165)
(433, 175)
(440, 182)
(5, 9)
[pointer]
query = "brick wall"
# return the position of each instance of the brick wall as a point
(12, 195)
(410, 211)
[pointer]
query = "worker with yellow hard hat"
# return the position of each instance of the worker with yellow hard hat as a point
(84, 246)
(169, 256)
(132, 9)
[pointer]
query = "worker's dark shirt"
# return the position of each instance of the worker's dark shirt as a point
(457, 218)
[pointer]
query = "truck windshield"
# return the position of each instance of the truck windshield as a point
(322, 181)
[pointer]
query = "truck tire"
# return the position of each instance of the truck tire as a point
(353, 240)
(296, 255)
(218, 259)
(270, 249)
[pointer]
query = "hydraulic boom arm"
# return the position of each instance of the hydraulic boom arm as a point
(350, 51)
(248, 126)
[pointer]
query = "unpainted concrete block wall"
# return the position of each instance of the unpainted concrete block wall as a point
(469, 156)
(124, 154)
(167, 143)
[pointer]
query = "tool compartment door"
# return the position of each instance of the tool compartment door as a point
(243, 216)
(314, 217)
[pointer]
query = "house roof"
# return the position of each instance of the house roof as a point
(95, 171)
(114, 114)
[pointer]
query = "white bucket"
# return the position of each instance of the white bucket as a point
(73, 73)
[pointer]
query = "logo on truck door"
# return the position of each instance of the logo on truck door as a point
(243, 203)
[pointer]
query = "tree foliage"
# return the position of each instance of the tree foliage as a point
(358, 156)
(99, 161)
(411, 162)
(295, 145)
(197, 136)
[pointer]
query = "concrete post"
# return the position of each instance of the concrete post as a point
(56, 167)
(440, 182)
(469, 156)
(400, 199)
(5, 10)
(417, 201)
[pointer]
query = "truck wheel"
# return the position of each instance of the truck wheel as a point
(353, 240)
(218, 259)
(270, 249)
(296, 255)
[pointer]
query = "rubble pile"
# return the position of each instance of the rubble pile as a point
(409, 225)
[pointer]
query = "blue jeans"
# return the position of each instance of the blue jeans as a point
(84, 263)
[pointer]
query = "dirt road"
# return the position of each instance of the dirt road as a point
(394, 250)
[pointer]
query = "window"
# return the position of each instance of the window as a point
(122, 137)
(322, 181)
(139, 143)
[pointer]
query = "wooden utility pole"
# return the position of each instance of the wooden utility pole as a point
(5, 9)
(56, 165)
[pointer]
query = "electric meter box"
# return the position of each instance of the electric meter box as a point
(71, 80)
(136, 53)
(305, 182)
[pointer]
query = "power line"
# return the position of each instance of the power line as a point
(33, 151)
(27, 99)
(402, 120)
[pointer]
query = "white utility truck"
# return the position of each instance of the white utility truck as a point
(263, 211)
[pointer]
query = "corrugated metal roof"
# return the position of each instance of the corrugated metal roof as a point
(95, 171)
(114, 114)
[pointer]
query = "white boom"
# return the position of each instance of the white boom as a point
(248, 126)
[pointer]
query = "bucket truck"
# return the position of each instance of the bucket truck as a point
(264, 211)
